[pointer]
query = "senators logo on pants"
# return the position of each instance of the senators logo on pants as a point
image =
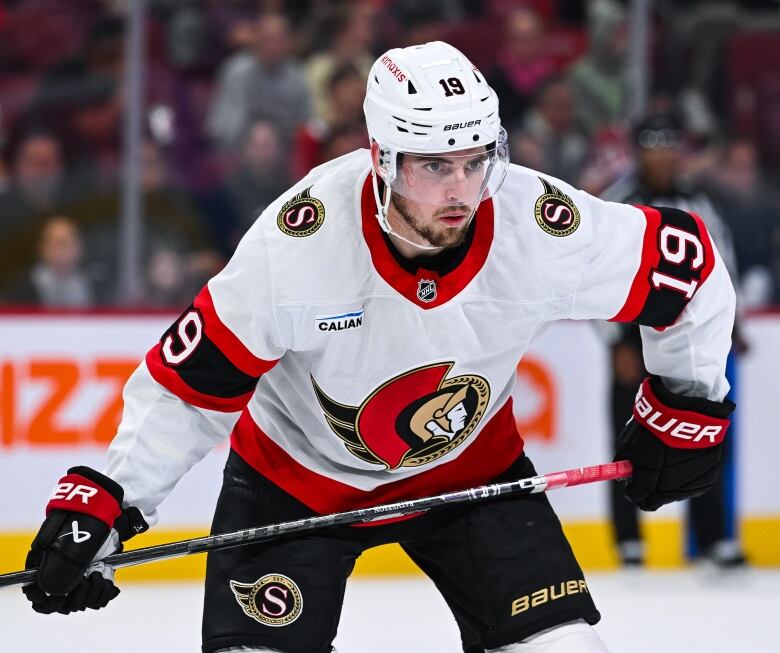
(412, 419)
(273, 600)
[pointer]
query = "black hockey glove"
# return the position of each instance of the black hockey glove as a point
(674, 443)
(84, 523)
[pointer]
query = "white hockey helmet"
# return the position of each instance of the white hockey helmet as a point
(431, 100)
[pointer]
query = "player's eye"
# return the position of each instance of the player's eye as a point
(434, 166)
(475, 165)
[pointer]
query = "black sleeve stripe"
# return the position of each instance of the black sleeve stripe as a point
(662, 288)
(191, 366)
(209, 371)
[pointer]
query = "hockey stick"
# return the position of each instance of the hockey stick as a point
(531, 485)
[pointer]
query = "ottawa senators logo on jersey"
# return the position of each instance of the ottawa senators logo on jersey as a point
(412, 419)
(555, 212)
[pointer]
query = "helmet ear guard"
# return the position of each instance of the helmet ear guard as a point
(385, 169)
(387, 164)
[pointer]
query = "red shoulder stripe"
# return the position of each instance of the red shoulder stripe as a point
(227, 342)
(709, 254)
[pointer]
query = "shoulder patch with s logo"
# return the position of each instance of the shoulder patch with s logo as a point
(555, 212)
(302, 215)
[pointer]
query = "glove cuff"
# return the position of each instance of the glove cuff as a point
(680, 422)
(721, 409)
(107, 483)
(130, 523)
(86, 491)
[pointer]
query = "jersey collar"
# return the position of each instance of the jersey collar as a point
(425, 288)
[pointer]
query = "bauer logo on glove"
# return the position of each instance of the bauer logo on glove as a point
(677, 428)
(675, 444)
(85, 522)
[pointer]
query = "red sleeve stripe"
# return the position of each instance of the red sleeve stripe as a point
(226, 341)
(709, 254)
(640, 287)
(170, 380)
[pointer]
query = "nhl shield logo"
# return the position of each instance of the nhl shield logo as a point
(426, 290)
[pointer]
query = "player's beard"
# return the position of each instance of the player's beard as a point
(443, 237)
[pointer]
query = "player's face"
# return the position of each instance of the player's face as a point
(436, 195)
(430, 225)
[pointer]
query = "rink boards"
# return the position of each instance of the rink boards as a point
(60, 399)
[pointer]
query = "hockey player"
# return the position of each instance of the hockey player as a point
(361, 347)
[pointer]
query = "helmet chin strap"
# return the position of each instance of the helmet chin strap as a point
(381, 216)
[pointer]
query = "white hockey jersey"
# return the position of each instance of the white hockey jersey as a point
(348, 378)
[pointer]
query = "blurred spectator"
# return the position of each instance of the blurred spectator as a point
(172, 277)
(172, 222)
(264, 83)
(421, 22)
(350, 34)
(750, 207)
(550, 139)
(523, 64)
(600, 78)
(692, 66)
(659, 142)
(80, 96)
(346, 90)
(37, 167)
(175, 231)
(57, 279)
(95, 129)
(37, 186)
(343, 140)
(187, 37)
(260, 177)
(101, 60)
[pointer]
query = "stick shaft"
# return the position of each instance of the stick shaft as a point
(531, 485)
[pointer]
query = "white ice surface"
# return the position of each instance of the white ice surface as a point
(642, 612)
